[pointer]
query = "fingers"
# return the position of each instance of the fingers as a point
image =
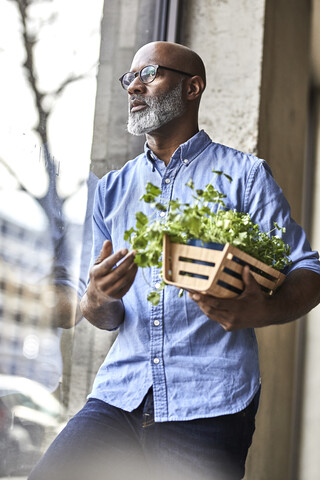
(210, 305)
(246, 310)
(106, 259)
(109, 263)
(119, 281)
(224, 303)
(218, 309)
(247, 277)
(208, 301)
(112, 274)
(105, 252)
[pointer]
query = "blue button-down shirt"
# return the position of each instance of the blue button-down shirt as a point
(195, 367)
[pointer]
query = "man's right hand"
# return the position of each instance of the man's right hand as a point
(109, 282)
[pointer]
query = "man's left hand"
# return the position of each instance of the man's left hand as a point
(249, 309)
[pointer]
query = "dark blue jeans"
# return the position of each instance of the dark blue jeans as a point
(103, 442)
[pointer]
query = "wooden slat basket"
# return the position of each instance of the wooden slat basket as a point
(216, 272)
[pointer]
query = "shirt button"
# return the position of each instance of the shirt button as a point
(156, 323)
(162, 214)
(157, 285)
(167, 180)
(156, 360)
(186, 161)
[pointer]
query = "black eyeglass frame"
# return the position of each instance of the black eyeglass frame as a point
(156, 67)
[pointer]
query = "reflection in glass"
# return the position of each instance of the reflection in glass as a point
(48, 60)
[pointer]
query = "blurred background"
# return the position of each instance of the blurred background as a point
(63, 125)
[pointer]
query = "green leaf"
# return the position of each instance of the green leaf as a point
(174, 205)
(152, 192)
(142, 219)
(190, 184)
(160, 206)
(219, 172)
(154, 298)
(228, 177)
(128, 233)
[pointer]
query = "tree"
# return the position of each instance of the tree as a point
(51, 202)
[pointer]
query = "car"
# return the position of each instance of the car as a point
(30, 417)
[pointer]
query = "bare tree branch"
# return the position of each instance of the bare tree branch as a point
(14, 175)
(23, 188)
(29, 41)
(72, 78)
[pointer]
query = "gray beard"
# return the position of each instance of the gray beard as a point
(159, 111)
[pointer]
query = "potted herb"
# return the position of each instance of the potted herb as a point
(205, 219)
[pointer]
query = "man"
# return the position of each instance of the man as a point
(181, 384)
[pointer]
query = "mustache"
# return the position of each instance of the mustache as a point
(139, 98)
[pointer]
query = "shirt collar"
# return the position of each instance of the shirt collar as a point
(187, 151)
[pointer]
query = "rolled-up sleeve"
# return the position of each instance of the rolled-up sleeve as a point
(266, 203)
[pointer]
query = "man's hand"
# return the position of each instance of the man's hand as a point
(109, 282)
(246, 310)
(253, 308)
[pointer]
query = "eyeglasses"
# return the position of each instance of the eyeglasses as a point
(146, 74)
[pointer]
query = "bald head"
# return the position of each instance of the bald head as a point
(171, 55)
(166, 105)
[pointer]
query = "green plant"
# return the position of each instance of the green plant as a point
(206, 219)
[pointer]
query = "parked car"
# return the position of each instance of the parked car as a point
(30, 417)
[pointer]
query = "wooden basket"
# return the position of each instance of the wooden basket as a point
(216, 272)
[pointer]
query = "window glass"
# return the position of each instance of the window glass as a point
(49, 52)
(57, 118)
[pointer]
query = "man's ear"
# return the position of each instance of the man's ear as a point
(195, 87)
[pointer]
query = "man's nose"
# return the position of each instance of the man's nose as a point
(136, 86)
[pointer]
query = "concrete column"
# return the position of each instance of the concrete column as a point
(283, 122)
(126, 26)
(309, 467)
(228, 35)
